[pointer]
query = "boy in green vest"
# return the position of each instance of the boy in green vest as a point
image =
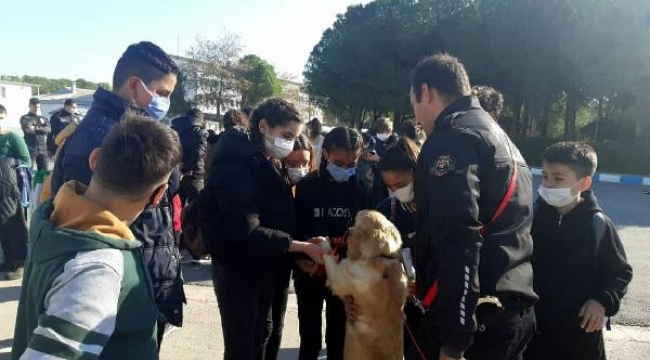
(86, 293)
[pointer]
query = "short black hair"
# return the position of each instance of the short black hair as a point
(442, 72)
(341, 139)
(315, 127)
(490, 99)
(195, 113)
(136, 155)
(234, 118)
(402, 157)
(68, 102)
(34, 101)
(3, 110)
(277, 112)
(247, 110)
(578, 156)
(145, 60)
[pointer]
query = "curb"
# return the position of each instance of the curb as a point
(610, 178)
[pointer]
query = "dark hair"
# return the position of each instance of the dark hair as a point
(3, 110)
(442, 72)
(234, 118)
(34, 101)
(341, 139)
(195, 113)
(247, 111)
(69, 102)
(578, 156)
(145, 60)
(315, 127)
(136, 155)
(383, 125)
(369, 141)
(402, 157)
(277, 112)
(213, 137)
(490, 99)
(303, 143)
(410, 130)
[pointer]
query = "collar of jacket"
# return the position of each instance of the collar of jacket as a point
(461, 104)
(112, 105)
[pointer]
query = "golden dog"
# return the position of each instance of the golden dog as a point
(375, 278)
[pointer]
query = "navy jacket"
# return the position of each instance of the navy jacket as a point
(154, 227)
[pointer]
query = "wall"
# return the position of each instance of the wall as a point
(15, 98)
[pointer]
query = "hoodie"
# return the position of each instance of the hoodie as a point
(571, 266)
(194, 140)
(86, 292)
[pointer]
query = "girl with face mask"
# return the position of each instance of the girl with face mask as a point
(251, 225)
(326, 203)
(301, 161)
(397, 169)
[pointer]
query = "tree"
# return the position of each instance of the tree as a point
(211, 68)
(257, 80)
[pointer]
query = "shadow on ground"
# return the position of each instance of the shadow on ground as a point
(11, 293)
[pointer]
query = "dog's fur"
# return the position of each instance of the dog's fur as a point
(378, 286)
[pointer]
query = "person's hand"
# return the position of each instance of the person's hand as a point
(444, 356)
(374, 158)
(307, 266)
(352, 310)
(316, 252)
(593, 315)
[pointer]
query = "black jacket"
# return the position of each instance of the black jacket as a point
(9, 192)
(463, 173)
(571, 265)
(249, 207)
(58, 121)
(194, 139)
(328, 208)
(403, 216)
(36, 129)
(154, 227)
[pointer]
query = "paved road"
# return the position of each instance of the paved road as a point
(200, 338)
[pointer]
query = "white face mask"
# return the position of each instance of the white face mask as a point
(297, 173)
(279, 148)
(406, 194)
(383, 137)
(559, 197)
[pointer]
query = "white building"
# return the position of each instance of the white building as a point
(15, 98)
(52, 102)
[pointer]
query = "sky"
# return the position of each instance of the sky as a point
(84, 39)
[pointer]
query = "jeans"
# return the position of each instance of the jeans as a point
(505, 339)
(245, 306)
(311, 292)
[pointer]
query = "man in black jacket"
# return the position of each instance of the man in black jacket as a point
(36, 128)
(194, 139)
(59, 120)
(463, 174)
(143, 81)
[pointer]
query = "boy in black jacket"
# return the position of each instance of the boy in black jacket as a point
(581, 272)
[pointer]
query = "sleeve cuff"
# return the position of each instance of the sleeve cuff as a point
(606, 301)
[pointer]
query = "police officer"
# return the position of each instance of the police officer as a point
(36, 128)
(59, 120)
(468, 251)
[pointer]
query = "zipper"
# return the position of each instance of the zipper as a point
(559, 221)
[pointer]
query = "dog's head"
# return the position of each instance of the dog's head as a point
(372, 235)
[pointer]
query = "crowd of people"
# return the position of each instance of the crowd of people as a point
(102, 276)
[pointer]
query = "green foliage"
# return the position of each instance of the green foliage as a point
(561, 64)
(257, 80)
(50, 85)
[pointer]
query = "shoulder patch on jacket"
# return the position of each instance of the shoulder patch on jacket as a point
(443, 165)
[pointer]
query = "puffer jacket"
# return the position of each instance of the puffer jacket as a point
(154, 227)
(194, 139)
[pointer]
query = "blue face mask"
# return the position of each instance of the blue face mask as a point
(158, 106)
(340, 174)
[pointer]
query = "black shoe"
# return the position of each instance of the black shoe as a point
(16, 274)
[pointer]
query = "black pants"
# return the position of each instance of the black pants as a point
(413, 317)
(505, 339)
(566, 341)
(39, 160)
(245, 304)
(275, 324)
(311, 292)
(14, 238)
(189, 189)
(160, 325)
